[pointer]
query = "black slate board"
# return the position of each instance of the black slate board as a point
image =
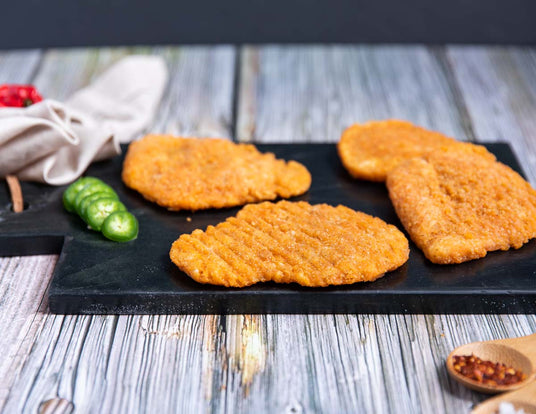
(96, 276)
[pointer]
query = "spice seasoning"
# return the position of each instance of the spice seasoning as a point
(18, 95)
(486, 372)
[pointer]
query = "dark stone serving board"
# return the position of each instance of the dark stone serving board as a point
(97, 276)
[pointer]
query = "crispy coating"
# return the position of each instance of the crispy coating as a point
(200, 173)
(457, 207)
(285, 242)
(369, 151)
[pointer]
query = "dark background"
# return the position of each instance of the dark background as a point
(52, 23)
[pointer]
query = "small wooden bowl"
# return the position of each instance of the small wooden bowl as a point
(495, 351)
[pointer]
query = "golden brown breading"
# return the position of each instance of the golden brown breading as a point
(457, 207)
(200, 173)
(369, 151)
(290, 242)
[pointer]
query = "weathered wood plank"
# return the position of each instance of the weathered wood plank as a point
(304, 94)
(351, 363)
(198, 108)
(118, 364)
(498, 85)
(22, 311)
(20, 290)
(62, 72)
(22, 284)
(189, 106)
(110, 363)
(296, 94)
(242, 363)
(19, 66)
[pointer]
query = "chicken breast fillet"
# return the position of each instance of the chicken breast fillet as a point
(369, 151)
(285, 242)
(201, 173)
(457, 207)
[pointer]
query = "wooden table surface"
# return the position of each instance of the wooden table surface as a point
(267, 363)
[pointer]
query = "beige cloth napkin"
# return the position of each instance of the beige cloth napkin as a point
(55, 142)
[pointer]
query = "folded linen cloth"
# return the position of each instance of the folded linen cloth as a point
(54, 143)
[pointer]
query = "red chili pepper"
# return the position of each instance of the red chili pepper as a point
(18, 95)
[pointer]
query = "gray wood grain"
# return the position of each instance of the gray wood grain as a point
(259, 363)
(301, 94)
(306, 94)
(19, 315)
(62, 72)
(19, 66)
(498, 85)
(23, 282)
(199, 98)
(78, 357)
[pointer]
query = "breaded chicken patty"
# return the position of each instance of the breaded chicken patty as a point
(201, 173)
(369, 151)
(285, 242)
(457, 207)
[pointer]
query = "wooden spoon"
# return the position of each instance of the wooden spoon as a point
(518, 353)
(524, 398)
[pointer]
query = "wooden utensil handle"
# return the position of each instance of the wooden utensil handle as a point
(526, 344)
(523, 398)
(16, 193)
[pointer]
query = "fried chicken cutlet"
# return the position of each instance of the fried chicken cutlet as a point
(285, 242)
(369, 151)
(457, 207)
(200, 173)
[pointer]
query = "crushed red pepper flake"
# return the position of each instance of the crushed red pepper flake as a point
(486, 372)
